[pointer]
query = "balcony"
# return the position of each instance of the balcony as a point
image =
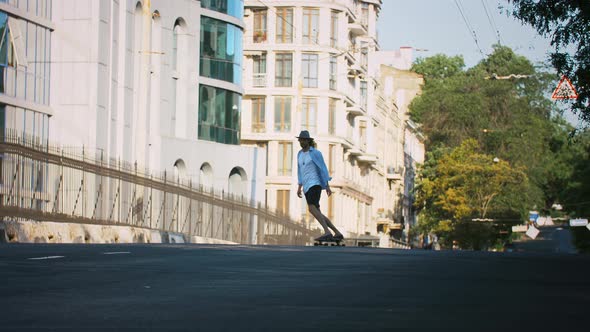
(259, 37)
(395, 174)
(354, 151)
(367, 158)
(357, 29)
(258, 127)
(354, 70)
(259, 80)
(355, 110)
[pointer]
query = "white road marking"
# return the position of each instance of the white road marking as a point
(116, 253)
(46, 257)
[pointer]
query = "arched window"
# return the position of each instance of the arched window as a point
(177, 63)
(237, 182)
(155, 73)
(206, 176)
(179, 170)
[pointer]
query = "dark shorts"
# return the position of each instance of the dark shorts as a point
(312, 196)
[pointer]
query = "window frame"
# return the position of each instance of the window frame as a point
(309, 114)
(284, 25)
(311, 17)
(307, 69)
(285, 114)
(258, 114)
(285, 157)
(284, 65)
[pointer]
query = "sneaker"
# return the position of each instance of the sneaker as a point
(325, 237)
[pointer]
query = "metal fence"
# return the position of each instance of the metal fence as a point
(45, 182)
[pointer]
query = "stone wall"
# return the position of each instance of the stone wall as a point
(53, 232)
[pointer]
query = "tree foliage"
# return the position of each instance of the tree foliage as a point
(469, 118)
(567, 23)
(464, 185)
(511, 119)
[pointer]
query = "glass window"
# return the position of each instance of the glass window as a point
(259, 26)
(334, 29)
(331, 158)
(283, 69)
(363, 133)
(333, 72)
(258, 115)
(285, 158)
(5, 43)
(364, 94)
(259, 71)
(332, 116)
(2, 120)
(219, 115)
(309, 114)
(364, 14)
(175, 45)
(282, 114)
(283, 201)
(364, 54)
(234, 8)
(311, 19)
(284, 25)
(27, 42)
(309, 68)
(221, 50)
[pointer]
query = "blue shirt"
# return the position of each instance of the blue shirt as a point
(318, 161)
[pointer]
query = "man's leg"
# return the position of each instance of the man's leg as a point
(331, 225)
(315, 211)
(323, 220)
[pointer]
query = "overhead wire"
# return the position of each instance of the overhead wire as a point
(469, 27)
(492, 22)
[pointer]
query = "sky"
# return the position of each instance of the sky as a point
(437, 26)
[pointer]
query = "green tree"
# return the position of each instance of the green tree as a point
(462, 186)
(511, 119)
(567, 24)
(439, 66)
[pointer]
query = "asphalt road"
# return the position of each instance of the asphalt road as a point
(551, 239)
(250, 288)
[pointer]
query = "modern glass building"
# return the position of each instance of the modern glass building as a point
(221, 55)
(25, 37)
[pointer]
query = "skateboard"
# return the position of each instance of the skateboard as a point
(329, 243)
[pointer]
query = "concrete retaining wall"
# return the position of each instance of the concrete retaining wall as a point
(52, 232)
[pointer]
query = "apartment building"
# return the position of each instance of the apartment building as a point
(398, 86)
(306, 68)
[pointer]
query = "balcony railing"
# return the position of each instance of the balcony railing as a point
(258, 127)
(259, 80)
(259, 37)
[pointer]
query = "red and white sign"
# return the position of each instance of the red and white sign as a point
(565, 90)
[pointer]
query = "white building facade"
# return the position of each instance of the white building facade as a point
(306, 68)
(157, 83)
(398, 87)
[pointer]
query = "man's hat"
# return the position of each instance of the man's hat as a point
(304, 134)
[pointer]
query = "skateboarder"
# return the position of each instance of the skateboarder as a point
(312, 177)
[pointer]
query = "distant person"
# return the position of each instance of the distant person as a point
(312, 177)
